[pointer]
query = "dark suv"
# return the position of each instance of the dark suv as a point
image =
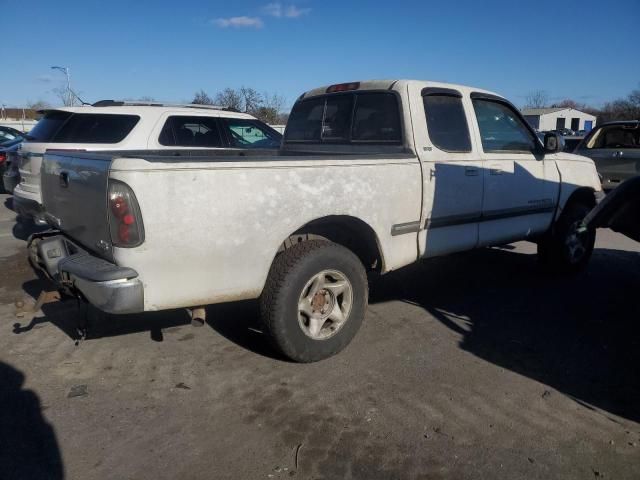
(615, 149)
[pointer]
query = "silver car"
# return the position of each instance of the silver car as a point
(615, 149)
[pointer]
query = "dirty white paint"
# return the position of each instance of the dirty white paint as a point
(213, 229)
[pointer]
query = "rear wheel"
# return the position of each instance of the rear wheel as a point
(314, 300)
(568, 247)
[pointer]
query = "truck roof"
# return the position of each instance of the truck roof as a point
(398, 85)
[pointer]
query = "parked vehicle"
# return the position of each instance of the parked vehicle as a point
(131, 126)
(371, 177)
(10, 140)
(571, 142)
(8, 133)
(619, 210)
(615, 149)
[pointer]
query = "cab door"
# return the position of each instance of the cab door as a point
(452, 172)
(520, 185)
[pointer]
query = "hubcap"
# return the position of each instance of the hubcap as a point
(325, 304)
(575, 243)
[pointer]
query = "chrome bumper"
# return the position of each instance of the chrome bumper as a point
(107, 286)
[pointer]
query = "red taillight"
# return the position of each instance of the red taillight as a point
(343, 87)
(3, 157)
(125, 220)
(119, 207)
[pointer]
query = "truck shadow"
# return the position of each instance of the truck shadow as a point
(579, 335)
(28, 444)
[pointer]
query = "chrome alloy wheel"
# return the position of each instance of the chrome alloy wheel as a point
(325, 304)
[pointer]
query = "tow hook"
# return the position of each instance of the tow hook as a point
(46, 296)
(198, 316)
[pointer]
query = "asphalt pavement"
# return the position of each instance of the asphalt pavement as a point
(478, 365)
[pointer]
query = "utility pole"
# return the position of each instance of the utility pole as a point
(67, 72)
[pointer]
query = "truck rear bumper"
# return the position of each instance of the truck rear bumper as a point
(107, 286)
(27, 204)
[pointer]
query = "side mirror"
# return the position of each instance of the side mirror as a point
(553, 142)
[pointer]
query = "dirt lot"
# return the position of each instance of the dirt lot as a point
(472, 366)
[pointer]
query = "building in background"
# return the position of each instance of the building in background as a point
(545, 119)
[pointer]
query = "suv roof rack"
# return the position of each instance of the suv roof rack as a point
(136, 103)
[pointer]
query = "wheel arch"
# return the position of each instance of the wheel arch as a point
(585, 195)
(348, 231)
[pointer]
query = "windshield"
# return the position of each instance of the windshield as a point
(9, 135)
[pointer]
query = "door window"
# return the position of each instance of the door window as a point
(251, 134)
(446, 123)
(184, 131)
(501, 129)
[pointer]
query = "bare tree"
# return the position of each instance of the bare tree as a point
(65, 96)
(229, 98)
(202, 98)
(537, 99)
(37, 105)
(251, 99)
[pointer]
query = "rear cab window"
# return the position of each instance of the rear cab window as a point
(95, 128)
(346, 118)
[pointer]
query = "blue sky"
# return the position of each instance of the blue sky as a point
(586, 50)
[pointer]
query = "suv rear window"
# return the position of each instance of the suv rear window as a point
(362, 117)
(96, 128)
(48, 125)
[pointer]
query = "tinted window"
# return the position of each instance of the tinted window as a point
(96, 128)
(501, 129)
(251, 134)
(446, 123)
(342, 118)
(48, 125)
(337, 118)
(305, 121)
(615, 136)
(179, 131)
(376, 118)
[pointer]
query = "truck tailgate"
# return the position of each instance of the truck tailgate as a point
(74, 195)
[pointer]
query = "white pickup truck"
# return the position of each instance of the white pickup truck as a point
(371, 176)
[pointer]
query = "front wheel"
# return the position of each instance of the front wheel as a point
(569, 245)
(314, 300)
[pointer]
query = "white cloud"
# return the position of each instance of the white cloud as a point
(294, 12)
(279, 10)
(273, 9)
(238, 22)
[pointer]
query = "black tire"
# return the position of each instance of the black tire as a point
(290, 273)
(554, 251)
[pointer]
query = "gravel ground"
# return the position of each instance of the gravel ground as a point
(477, 365)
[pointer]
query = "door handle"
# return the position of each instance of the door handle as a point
(471, 171)
(64, 179)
